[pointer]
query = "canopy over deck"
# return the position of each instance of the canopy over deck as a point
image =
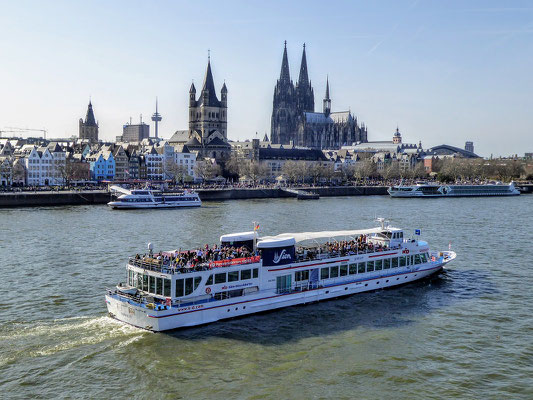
(237, 237)
(275, 242)
(120, 189)
(302, 236)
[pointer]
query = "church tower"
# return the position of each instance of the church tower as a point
(397, 137)
(304, 90)
(207, 113)
(88, 130)
(327, 101)
(285, 108)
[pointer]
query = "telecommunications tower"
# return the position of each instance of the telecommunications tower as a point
(156, 118)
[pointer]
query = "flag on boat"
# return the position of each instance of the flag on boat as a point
(417, 231)
(256, 227)
(450, 246)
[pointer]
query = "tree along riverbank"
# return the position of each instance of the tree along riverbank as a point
(40, 199)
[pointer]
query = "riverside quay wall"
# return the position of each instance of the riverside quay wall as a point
(62, 198)
(46, 198)
(241, 194)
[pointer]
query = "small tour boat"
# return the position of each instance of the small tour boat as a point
(148, 198)
(246, 274)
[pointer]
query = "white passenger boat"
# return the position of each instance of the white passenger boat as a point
(147, 198)
(430, 190)
(180, 289)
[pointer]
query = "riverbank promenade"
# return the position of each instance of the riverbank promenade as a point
(87, 197)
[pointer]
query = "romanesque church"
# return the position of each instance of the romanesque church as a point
(294, 118)
(208, 119)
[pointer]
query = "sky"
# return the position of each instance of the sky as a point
(442, 71)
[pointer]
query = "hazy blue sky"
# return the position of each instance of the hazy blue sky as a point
(444, 71)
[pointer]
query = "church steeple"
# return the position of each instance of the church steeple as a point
(303, 78)
(284, 110)
(304, 90)
(327, 100)
(89, 118)
(208, 95)
(208, 115)
(285, 75)
(89, 129)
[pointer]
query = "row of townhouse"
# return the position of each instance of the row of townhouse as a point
(144, 161)
(52, 163)
(32, 165)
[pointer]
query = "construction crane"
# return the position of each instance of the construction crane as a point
(2, 131)
(13, 129)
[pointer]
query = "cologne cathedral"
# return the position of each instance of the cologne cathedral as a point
(295, 121)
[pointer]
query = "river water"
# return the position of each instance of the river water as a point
(466, 334)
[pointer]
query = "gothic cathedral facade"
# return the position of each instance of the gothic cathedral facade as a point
(295, 121)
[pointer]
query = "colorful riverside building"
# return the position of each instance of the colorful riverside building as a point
(102, 166)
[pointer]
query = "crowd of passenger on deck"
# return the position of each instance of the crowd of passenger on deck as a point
(344, 247)
(194, 259)
(201, 258)
(360, 245)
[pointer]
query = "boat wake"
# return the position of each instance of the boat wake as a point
(48, 337)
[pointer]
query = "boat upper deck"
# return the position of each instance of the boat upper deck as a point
(182, 262)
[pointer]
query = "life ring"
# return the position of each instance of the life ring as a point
(208, 290)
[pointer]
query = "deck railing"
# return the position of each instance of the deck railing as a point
(164, 266)
(323, 255)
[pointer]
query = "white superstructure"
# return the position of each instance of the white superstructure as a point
(147, 198)
(430, 190)
(175, 289)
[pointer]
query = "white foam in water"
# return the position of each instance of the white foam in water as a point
(69, 333)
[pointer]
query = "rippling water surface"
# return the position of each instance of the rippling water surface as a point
(466, 334)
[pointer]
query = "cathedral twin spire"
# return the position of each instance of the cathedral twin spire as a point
(294, 120)
(285, 75)
(303, 79)
(304, 94)
(304, 90)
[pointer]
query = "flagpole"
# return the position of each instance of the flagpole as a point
(255, 236)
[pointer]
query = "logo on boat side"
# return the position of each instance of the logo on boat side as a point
(281, 256)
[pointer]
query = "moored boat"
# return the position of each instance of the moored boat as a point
(148, 198)
(246, 274)
(432, 190)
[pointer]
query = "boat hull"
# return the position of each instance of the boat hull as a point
(198, 314)
(124, 206)
(416, 194)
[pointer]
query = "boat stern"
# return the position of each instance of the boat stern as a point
(130, 312)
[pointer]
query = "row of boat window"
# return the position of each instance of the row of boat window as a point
(186, 286)
(233, 276)
(140, 200)
(175, 198)
(483, 190)
(150, 284)
(368, 266)
(159, 199)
